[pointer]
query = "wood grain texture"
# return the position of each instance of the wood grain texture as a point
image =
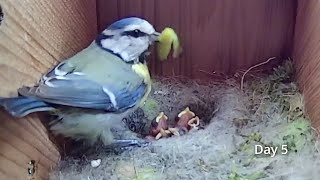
(34, 36)
(306, 55)
(217, 35)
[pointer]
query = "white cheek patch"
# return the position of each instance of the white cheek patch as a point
(117, 46)
(125, 55)
(122, 43)
(137, 47)
(129, 48)
(107, 43)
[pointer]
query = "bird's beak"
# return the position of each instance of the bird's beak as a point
(155, 37)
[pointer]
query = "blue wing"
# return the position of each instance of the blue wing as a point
(74, 89)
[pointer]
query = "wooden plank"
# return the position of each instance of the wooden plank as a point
(19, 145)
(107, 12)
(170, 67)
(12, 170)
(35, 35)
(148, 12)
(4, 176)
(218, 35)
(306, 55)
(27, 138)
(19, 159)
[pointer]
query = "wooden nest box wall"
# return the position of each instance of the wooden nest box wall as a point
(217, 35)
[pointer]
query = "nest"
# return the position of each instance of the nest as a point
(268, 112)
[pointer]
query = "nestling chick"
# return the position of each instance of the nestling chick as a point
(186, 121)
(97, 87)
(159, 129)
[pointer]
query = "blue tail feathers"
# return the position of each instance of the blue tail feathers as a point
(22, 106)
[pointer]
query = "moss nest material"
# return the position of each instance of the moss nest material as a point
(269, 112)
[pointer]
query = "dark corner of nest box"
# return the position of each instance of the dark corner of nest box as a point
(1, 14)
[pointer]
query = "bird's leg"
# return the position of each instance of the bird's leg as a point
(125, 143)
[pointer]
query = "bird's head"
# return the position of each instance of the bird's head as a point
(128, 38)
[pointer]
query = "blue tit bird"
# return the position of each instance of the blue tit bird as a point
(97, 87)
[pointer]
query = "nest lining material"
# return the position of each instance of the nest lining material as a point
(269, 112)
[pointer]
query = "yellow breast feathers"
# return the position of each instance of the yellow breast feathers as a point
(143, 71)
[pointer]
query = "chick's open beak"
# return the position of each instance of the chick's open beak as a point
(155, 36)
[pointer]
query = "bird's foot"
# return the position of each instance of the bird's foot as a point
(127, 143)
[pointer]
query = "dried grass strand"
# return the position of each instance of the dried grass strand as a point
(252, 67)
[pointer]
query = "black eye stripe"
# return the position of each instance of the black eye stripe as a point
(102, 36)
(135, 33)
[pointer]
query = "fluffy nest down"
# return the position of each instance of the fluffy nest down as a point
(268, 112)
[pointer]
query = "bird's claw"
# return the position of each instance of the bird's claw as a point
(124, 143)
